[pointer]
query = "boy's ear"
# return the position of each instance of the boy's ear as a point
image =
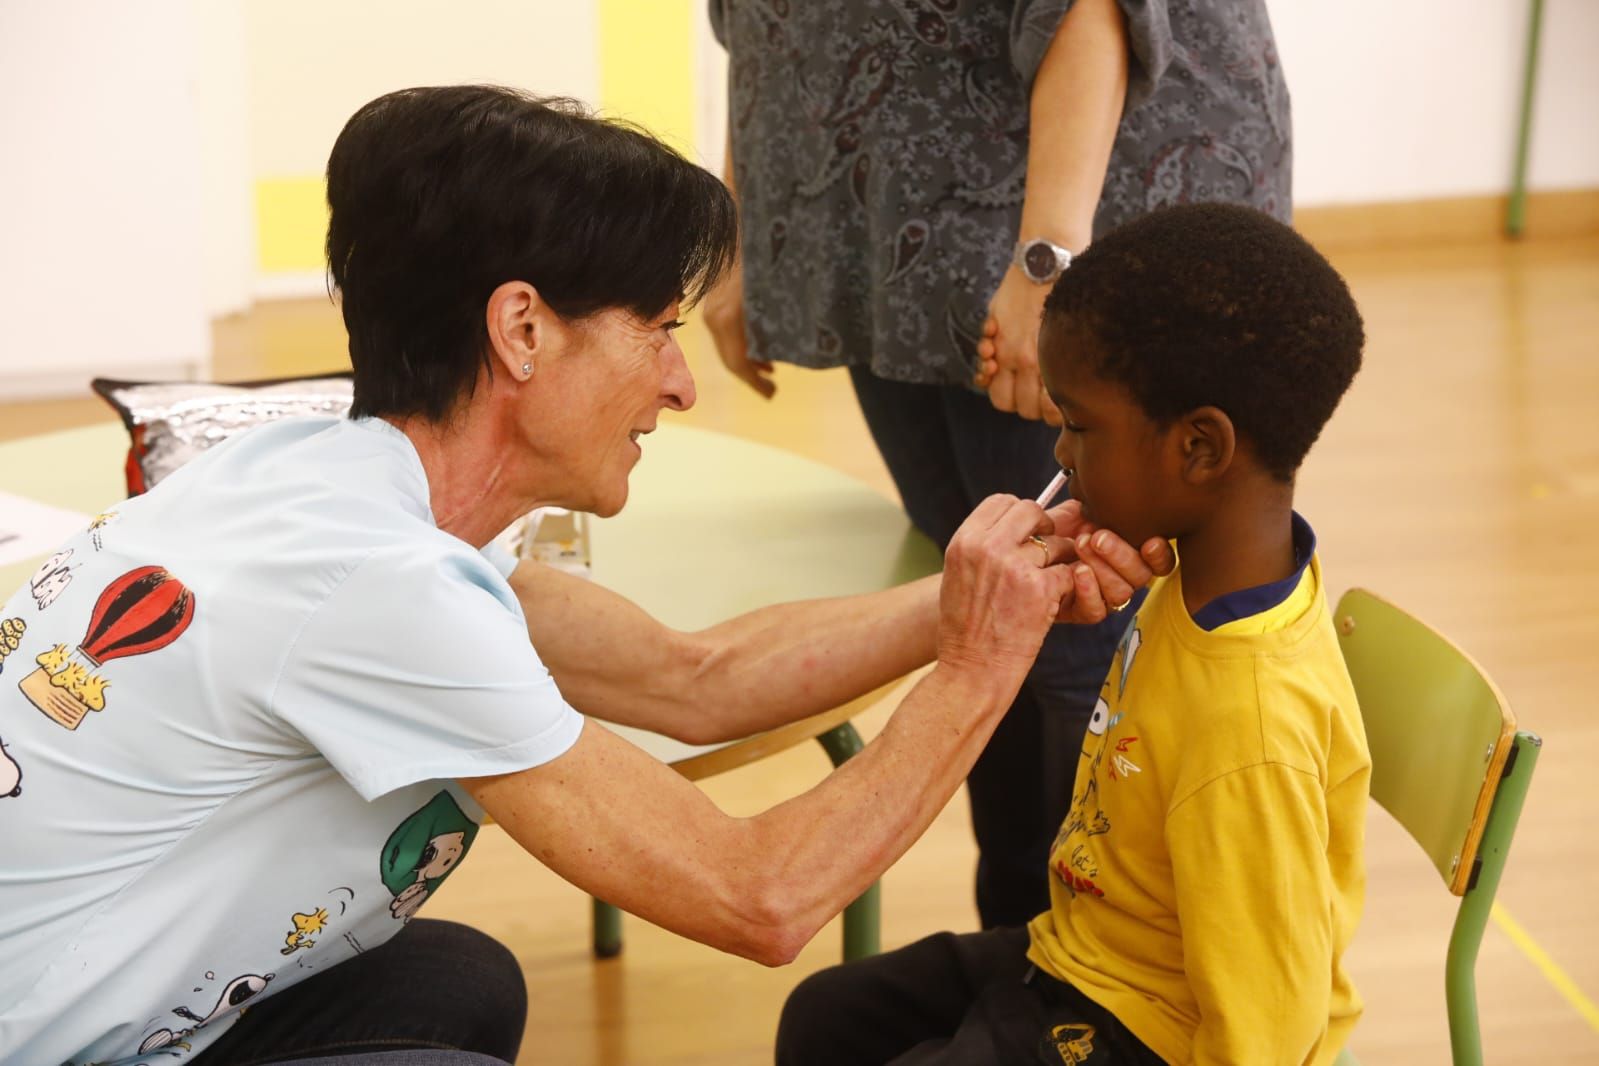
(1207, 444)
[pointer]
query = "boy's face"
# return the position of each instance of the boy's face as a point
(1120, 458)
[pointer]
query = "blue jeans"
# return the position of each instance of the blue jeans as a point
(436, 994)
(947, 449)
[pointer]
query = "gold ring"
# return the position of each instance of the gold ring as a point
(1044, 546)
(1122, 606)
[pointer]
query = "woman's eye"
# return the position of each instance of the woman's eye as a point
(676, 323)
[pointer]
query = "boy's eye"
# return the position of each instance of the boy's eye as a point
(1071, 427)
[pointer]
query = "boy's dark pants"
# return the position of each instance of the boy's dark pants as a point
(948, 1000)
(948, 449)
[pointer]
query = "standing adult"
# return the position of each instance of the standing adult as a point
(912, 176)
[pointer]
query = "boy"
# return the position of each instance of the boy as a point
(1209, 877)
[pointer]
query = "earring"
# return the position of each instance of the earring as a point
(527, 370)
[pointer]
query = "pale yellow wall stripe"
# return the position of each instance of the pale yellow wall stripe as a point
(1547, 966)
(647, 64)
(291, 218)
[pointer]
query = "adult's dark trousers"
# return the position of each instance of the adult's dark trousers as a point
(436, 994)
(948, 1000)
(947, 450)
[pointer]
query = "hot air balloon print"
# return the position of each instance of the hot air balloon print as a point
(142, 611)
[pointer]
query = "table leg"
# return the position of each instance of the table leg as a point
(863, 918)
(607, 930)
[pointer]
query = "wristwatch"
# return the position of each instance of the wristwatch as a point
(1040, 260)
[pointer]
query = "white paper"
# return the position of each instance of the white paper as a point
(29, 529)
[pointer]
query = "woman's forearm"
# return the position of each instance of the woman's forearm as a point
(748, 674)
(1077, 103)
(782, 663)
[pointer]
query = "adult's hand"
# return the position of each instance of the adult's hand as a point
(1106, 570)
(999, 594)
(1008, 350)
(724, 318)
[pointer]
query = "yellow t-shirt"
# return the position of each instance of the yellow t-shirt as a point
(1209, 876)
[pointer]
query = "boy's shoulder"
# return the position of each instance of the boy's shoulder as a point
(1236, 699)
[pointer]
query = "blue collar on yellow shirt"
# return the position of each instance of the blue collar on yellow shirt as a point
(1245, 602)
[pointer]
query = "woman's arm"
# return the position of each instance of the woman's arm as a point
(777, 664)
(723, 309)
(754, 672)
(1077, 103)
(625, 828)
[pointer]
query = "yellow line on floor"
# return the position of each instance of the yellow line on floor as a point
(1547, 966)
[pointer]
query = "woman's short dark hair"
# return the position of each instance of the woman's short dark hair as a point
(440, 195)
(1215, 304)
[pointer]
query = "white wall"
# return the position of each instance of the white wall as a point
(226, 178)
(100, 229)
(134, 133)
(313, 62)
(1413, 99)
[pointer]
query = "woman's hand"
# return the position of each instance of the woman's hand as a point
(1106, 570)
(724, 318)
(1009, 349)
(1000, 591)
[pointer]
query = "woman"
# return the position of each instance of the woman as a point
(912, 177)
(275, 694)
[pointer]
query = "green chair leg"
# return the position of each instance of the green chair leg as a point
(1460, 966)
(863, 918)
(607, 930)
(1516, 217)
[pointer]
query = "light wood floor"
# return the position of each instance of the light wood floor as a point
(1457, 479)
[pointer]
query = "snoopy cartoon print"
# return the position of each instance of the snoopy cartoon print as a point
(423, 851)
(306, 926)
(51, 579)
(235, 995)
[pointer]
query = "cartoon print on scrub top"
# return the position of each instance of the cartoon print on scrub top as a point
(1087, 818)
(51, 579)
(238, 991)
(142, 611)
(97, 526)
(11, 631)
(10, 774)
(422, 852)
(305, 927)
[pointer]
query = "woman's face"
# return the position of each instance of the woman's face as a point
(616, 376)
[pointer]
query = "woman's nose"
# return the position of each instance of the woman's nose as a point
(677, 383)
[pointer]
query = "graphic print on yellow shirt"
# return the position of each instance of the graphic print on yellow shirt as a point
(1075, 868)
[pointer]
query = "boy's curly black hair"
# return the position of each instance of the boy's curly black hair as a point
(1211, 304)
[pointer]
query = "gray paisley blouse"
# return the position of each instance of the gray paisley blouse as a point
(880, 155)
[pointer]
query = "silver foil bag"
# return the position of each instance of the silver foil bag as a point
(170, 422)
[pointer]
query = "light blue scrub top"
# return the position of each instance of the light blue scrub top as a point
(233, 721)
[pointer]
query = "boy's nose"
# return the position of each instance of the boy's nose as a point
(1063, 454)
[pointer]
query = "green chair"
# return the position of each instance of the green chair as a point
(1449, 764)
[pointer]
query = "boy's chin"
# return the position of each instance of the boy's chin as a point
(1136, 534)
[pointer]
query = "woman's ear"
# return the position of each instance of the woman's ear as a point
(521, 328)
(1208, 443)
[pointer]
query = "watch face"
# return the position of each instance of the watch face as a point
(1039, 259)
